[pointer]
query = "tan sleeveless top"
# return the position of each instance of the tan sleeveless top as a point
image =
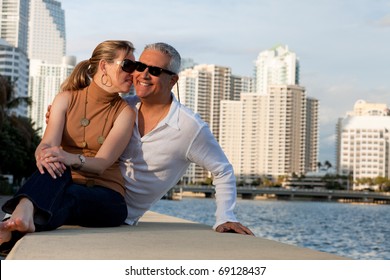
(101, 108)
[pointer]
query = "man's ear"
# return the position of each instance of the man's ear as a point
(174, 79)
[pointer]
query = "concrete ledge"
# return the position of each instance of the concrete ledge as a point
(157, 237)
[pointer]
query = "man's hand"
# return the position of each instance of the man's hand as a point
(234, 227)
(47, 115)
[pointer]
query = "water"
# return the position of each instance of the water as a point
(351, 230)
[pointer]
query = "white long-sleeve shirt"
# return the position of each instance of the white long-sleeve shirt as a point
(154, 163)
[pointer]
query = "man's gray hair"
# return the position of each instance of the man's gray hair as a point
(174, 64)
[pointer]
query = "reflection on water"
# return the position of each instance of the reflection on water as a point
(350, 230)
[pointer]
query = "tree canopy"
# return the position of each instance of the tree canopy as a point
(18, 139)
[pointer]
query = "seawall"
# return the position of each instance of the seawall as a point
(156, 237)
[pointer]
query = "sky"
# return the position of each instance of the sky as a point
(343, 46)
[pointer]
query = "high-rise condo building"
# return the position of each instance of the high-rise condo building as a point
(363, 141)
(13, 47)
(269, 131)
(14, 66)
(273, 131)
(47, 39)
(276, 66)
(265, 134)
(45, 80)
(312, 134)
(46, 49)
(202, 88)
(14, 23)
(36, 29)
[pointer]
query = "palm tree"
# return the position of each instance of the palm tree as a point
(4, 89)
(18, 137)
(8, 100)
(327, 164)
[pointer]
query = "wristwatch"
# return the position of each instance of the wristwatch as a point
(82, 161)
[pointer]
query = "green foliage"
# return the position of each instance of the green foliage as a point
(18, 139)
(333, 185)
(5, 187)
(207, 182)
(18, 142)
(324, 166)
(382, 182)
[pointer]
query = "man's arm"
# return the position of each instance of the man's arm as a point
(206, 152)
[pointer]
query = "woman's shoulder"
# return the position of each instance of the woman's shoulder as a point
(66, 99)
(128, 111)
(63, 96)
(71, 95)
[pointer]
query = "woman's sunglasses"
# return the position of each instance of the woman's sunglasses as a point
(129, 66)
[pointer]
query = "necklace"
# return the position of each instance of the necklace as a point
(85, 122)
(158, 120)
(101, 138)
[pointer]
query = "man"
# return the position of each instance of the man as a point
(167, 137)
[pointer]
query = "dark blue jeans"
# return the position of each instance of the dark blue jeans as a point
(60, 202)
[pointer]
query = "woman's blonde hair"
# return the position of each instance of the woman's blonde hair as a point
(84, 71)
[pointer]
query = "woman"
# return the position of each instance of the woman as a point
(78, 179)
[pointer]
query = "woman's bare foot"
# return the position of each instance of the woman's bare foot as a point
(5, 234)
(22, 219)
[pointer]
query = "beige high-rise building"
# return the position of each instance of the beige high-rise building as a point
(272, 132)
(269, 131)
(195, 91)
(363, 141)
(202, 88)
(364, 108)
(276, 127)
(231, 139)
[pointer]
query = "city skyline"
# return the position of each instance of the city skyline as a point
(342, 45)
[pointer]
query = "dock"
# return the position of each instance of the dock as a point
(292, 194)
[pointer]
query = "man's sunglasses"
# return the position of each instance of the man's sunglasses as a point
(129, 66)
(153, 70)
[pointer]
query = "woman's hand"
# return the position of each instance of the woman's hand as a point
(53, 160)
